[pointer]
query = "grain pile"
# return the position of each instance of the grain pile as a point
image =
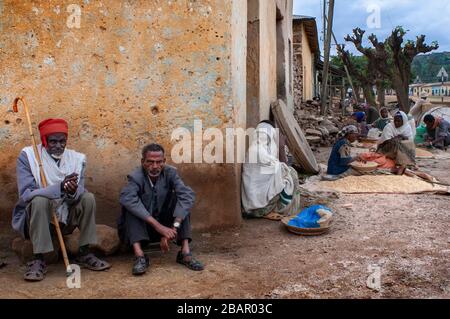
(421, 153)
(380, 184)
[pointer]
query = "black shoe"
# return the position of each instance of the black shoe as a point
(141, 265)
(192, 264)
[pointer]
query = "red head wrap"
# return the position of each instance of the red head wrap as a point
(52, 126)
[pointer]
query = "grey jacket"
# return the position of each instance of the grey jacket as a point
(136, 196)
(29, 189)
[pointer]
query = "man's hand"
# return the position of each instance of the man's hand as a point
(164, 245)
(168, 233)
(70, 184)
(357, 159)
(361, 159)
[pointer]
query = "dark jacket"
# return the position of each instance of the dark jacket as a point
(136, 196)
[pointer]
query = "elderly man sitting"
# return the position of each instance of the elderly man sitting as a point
(65, 193)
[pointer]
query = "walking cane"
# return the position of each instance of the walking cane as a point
(44, 181)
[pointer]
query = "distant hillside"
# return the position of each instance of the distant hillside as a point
(427, 66)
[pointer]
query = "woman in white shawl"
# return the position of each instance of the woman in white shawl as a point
(397, 143)
(269, 187)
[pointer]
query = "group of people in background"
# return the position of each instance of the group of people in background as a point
(395, 137)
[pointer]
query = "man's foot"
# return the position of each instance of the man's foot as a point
(189, 261)
(36, 270)
(91, 262)
(141, 265)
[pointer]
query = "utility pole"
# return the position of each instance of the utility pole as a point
(327, 48)
(324, 22)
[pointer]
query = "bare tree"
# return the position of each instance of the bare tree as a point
(377, 57)
(365, 79)
(390, 61)
(401, 60)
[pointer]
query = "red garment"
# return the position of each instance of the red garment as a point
(52, 126)
(380, 159)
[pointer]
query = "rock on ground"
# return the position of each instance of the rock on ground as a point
(108, 241)
(24, 250)
(107, 237)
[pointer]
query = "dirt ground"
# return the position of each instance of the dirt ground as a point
(407, 236)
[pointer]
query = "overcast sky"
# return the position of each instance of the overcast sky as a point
(429, 17)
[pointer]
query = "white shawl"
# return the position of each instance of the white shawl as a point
(263, 175)
(390, 131)
(71, 162)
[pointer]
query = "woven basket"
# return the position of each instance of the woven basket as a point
(304, 231)
(368, 168)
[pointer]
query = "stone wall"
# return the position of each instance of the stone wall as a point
(129, 75)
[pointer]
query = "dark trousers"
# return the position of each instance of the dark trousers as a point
(138, 230)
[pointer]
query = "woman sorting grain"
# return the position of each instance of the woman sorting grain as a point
(397, 143)
(383, 121)
(340, 158)
(270, 188)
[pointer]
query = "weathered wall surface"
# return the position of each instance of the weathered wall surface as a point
(268, 57)
(132, 72)
(253, 64)
(270, 73)
(308, 70)
(298, 63)
(286, 9)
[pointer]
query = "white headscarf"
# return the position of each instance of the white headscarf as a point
(390, 131)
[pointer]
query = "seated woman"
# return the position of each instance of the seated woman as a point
(397, 143)
(340, 158)
(269, 186)
(438, 132)
(363, 128)
(372, 113)
(383, 120)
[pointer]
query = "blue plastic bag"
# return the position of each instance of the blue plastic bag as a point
(308, 217)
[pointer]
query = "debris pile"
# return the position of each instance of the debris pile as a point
(319, 130)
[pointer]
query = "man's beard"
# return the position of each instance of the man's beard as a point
(154, 175)
(57, 157)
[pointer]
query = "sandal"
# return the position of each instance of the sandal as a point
(192, 264)
(91, 262)
(141, 265)
(274, 216)
(36, 271)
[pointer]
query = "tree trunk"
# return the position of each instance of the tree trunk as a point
(368, 94)
(381, 96)
(402, 95)
(356, 93)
